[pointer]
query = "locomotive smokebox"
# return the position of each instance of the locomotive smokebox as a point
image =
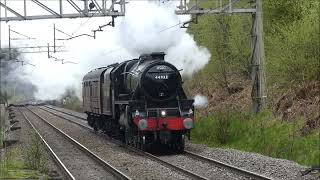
(153, 78)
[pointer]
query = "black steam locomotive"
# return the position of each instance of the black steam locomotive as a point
(140, 101)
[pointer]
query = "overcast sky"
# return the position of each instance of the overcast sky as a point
(141, 31)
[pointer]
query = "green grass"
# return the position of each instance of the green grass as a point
(1, 137)
(14, 168)
(2, 128)
(23, 162)
(291, 51)
(262, 134)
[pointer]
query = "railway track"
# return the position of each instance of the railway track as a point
(70, 114)
(137, 151)
(240, 171)
(75, 160)
(57, 160)
(216, 163)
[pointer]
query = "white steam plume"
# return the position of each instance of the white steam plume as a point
(147, 27)
(200, 101)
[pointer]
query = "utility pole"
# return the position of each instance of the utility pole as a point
(258, 61)
(5, 80)
(54, 38)
(29, 49)
(9, 43)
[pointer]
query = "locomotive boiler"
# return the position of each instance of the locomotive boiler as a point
(141, 101)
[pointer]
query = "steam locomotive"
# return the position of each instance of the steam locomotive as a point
(140, 101)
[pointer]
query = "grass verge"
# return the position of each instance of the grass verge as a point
(262, 133)
(12, 167)
(2, 124)
(24, 162)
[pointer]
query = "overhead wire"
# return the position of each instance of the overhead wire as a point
(119, 49)
(22, 34)
(81, 25)
(23, 62)
(112, 51)
(63, 32)
(75, 31)
(223, 7)
(26, 47)
(165, 29)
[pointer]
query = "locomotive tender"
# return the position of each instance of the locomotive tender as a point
(140, 101)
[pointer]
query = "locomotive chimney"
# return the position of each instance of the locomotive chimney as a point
(153, 56)
(158, 55)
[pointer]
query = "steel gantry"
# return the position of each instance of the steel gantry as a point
(229, 7)
(23, 9)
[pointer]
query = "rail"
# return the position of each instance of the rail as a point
(58, 162)
(238, 170)
(137, 151)
(65, 112)
(105, 164)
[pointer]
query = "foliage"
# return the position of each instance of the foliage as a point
(35, 158)
(291, 39)
(2, 122)
(70, 100)
(1, 137)
(261, 133)
(228, 39)
(283, 12)
(14, 168)
(291, 44)
(292, 49)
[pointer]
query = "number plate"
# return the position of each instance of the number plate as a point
(161, 77)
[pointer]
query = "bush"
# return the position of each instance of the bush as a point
(260, 133)
(3, 117)
(70, 100)
(222, 128)
(11, 166)
(35, 158)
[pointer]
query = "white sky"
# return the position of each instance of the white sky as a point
(138, 32)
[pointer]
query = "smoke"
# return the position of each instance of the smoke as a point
(13, 85)
(188, 56)
(200, 101)
(147, 27)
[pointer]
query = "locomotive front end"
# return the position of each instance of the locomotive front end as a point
(141, 101)
(162, 113)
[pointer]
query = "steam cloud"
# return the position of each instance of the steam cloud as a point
(147, 27)
(12, 81)
(200, 101)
